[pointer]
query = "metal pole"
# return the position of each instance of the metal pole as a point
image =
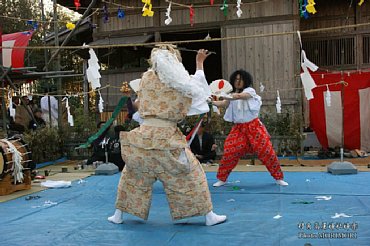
(57, 63)
(85, 89)
(3, 90)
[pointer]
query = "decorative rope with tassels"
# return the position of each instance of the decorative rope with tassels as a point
(17, 160)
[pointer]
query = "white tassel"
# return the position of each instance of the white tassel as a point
(11, 109)
(70, 116)
(239, 12)
(262, 87)
(168, 15)
(92, 73)
(101, 103)
(278, 103)
(17, 160)
(328, 96)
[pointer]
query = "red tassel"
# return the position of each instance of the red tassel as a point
(191, 12)
(212, 2)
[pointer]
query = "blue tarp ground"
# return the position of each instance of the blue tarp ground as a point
(79, 217)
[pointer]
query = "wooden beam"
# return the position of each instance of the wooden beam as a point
(197, 26)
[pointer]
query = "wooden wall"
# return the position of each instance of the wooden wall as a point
(272, 60)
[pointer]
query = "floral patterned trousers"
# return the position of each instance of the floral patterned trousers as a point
(185, 184)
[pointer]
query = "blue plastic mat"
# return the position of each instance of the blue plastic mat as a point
(78, 215)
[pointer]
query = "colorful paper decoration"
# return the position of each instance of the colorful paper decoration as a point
(120, 13)
(105, 13)
(361, 2)
(212, 2)
(191, 14)
(239, 12)
(168, 15)
(77, 4)
(310, 7)
(147, 8)
(33, 23)
(224, 7)
(70, 26)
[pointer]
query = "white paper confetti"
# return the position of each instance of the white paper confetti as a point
(340, 215)
(325, 198)
(277, 216)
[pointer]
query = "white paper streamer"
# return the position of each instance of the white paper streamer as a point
(278, 103)
(168, 15)
(262, 87)
(328, 96)
(101, 103)
(92, 73)
(239, 12)
(11, 109)
(70, 116)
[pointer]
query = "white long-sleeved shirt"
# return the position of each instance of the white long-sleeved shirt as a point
(242, 111)
(45, 106)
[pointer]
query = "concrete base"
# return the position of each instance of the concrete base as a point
(344, 167)
(106, 169)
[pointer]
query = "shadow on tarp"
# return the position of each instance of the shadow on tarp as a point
(78, 215)
(49, 163)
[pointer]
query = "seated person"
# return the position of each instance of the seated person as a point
(203, 146)
(115, 149)
(98, 150)
(38, 122)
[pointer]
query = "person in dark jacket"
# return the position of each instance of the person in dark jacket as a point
(203, 146)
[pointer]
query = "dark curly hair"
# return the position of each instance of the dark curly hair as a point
(245, 76)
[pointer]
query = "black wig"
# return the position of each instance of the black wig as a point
(244, 75)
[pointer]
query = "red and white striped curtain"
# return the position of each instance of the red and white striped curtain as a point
(14, 57)
(328, 122)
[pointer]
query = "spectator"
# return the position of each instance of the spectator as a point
(98, 150)
(23, 114)
(203, 146)
(39, 122)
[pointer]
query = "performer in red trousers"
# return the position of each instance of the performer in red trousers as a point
(248, 135)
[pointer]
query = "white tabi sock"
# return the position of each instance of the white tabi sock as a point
(117, 217)
(281, 182)
(214, 219)
(219, 183)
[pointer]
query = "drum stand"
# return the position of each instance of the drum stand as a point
(7, 185)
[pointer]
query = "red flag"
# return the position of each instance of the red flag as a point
(14, 57)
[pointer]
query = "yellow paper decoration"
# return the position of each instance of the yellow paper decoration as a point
(310, 7)
(147, 9)
(70, 26)
(361, 2)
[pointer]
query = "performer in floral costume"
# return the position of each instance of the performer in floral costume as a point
(157, 150)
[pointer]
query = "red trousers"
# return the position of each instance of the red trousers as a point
(250, 137)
